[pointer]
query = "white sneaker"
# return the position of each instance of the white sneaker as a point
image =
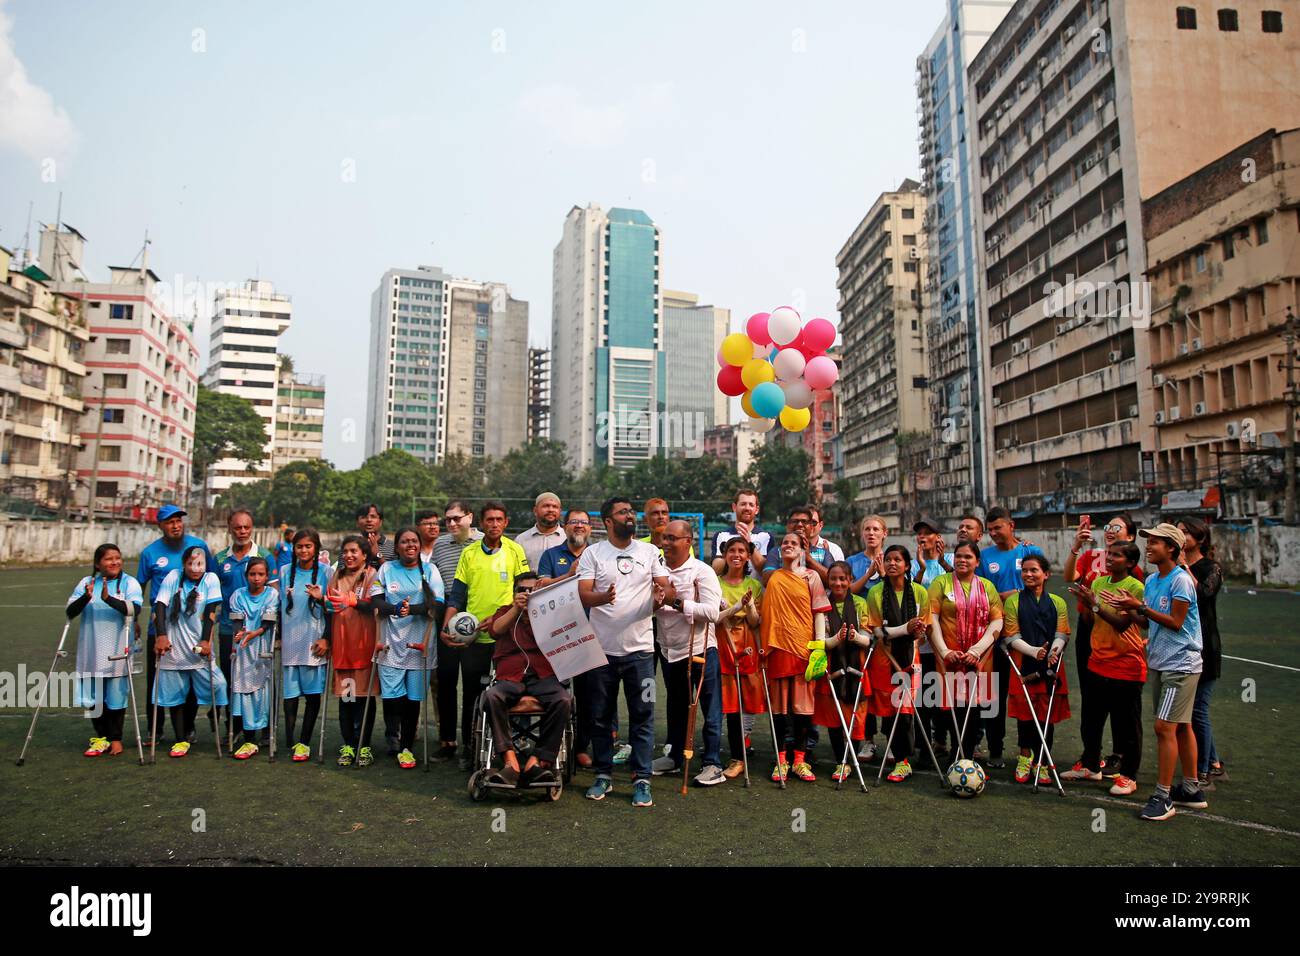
(668, 749)
(622, 754)
(710, 776)
(868, 751)
(662, 765)
(1080, 772)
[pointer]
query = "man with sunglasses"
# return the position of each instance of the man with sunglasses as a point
(459, 520)
(522, 669)
(622, 581)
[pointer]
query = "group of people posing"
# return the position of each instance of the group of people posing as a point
(940, 645)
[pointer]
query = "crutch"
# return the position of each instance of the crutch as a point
(740, 703)
(778, 745)
(326, 694)
(128, 655)
(427, 702)
(1042, 735)
(230, 707)
(688, 750)
(153, 729)
(270, 703)
(971, 686)
(370, 693)
(213, 671)
(1051, 699)
(906, 687)
(853, 716)
(58, 652)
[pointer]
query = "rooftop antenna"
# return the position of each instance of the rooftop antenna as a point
(58, 237)
(27, 236)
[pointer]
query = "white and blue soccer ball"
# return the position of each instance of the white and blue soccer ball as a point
(463, 628)
(966, 778)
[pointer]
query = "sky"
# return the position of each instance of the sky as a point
(317, 145)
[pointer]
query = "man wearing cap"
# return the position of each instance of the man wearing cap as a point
(931, 560)
(157, 560)
(1174, 642)
(546, 533)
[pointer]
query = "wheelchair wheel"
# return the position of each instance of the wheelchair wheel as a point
(570, 758)
(555, 791)
(477, 787)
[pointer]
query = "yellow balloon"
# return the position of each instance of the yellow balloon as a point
(795, 419)
(757, 371)
(748, 408)
(737, 349)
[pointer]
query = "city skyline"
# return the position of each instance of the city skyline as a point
(698, 139)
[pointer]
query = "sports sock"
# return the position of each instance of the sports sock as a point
(178, 721)
(290, 720)
(309, 717)
(1191, 784)
(1162, 792)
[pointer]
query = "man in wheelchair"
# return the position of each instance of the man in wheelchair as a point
(522, 671)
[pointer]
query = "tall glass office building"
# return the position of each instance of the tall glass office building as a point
(959, 451)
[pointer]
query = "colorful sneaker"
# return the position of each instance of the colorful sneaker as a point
(1110, 766)
(1044, 776)
(780, 772)
(842, 773)
(641, 794)
(346, 756)
(180, 748)
(405, 759)
(301, 753)
(597, 790)
(1080, 772)
(622, 754)
(246, 751)
(97, 746)
(366, 757)
(1157, 808)
(734, 769)
(1024, 768)
(1192, 799)
(902, 770)
(1123, 786)
(804, 771)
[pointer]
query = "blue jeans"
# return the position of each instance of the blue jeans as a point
(636, 672)
(679, 702)
(1205, 752)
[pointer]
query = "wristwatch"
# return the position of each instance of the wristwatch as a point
(676, 604)
(1096, 609)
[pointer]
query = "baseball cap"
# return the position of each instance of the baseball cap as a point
(925, 521)
(1165, 530)
(170, 511)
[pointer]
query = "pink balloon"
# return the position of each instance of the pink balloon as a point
(730, 382)
(756, 328)
(820, 372)
(722, 363)
(818, 335)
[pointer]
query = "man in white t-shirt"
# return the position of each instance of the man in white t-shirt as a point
(620, 581)
(745, 506)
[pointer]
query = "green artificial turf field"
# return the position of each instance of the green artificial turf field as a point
(63, 808)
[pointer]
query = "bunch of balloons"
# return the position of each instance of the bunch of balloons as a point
(775, 365)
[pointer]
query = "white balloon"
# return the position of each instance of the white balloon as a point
(797, 394)
(763, 351)
(784, 325)
(761, 424)
(789, 364)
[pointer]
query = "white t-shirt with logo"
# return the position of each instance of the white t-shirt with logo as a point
(623, 627)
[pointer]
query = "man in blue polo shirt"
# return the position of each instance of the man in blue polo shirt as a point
(157, 560)
(1000, 563)
(231, 571)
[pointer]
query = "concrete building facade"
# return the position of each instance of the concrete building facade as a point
(539, 394)
(882, 386)
(244, 361)
(43, 337)
(1077, 117)
(606, 337)
(487, 379)
(299, 418)
(958, 448)
(1223, 260)
(692, 335)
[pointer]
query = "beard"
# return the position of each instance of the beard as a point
(577, 541)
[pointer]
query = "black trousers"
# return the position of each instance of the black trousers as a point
(550, 693)
(189, 709)
(475, 665)
(1027, 736)
(582, 711)
(448, 672)
(933, 720)
(995, 727)
(109, 724)
(1121, 701)
(350, 716)
(1086, 680)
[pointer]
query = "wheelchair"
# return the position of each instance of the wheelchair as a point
(525, 722)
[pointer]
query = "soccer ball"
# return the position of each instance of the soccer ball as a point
(966, 778)
(463, 628)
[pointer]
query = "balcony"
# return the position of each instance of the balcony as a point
(1102, 438)
(12, 335)
(1100, 382)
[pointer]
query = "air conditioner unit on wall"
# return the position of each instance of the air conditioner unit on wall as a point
(1234, 430)
(914, 252)
(1175, 413)
(1116, 355)
(1160, 418)
(1132, 411)
(1157, 380)
(1198, 408)
(1196, 345)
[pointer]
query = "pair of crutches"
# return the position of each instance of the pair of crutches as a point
(849, 752)
(740, 702)
(128, 655)
(1033, 715)
(971, 695)
(906, 686)
(370, 695)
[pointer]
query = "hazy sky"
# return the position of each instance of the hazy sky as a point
(317, 145)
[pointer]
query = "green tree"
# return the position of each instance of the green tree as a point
(392, 479)
(526, 472)
(780, 475)
(225, 426)
(842, 513)
(461, 476)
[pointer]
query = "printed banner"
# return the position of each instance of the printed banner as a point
(562, 630)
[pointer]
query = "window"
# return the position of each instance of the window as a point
(126, 312)
(117, 346)
(106, 489)
(110, 452)
(115, 415)
(1228, 251)
(908, 213)
(1228, 21)
(1200, 260)
(1272, 21)
(114, 380)
(909, 266)
(1186, 18)
(909, 240)
(1261, 231)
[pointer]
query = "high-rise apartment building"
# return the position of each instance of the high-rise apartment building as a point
(43, 336)
(137, 435)
(957, 449)
(244, 361)
(606, 337)
(299, 418)
(539, 394)
(692, 335)
(882, 304)
(448, 366)
(1076, 118)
